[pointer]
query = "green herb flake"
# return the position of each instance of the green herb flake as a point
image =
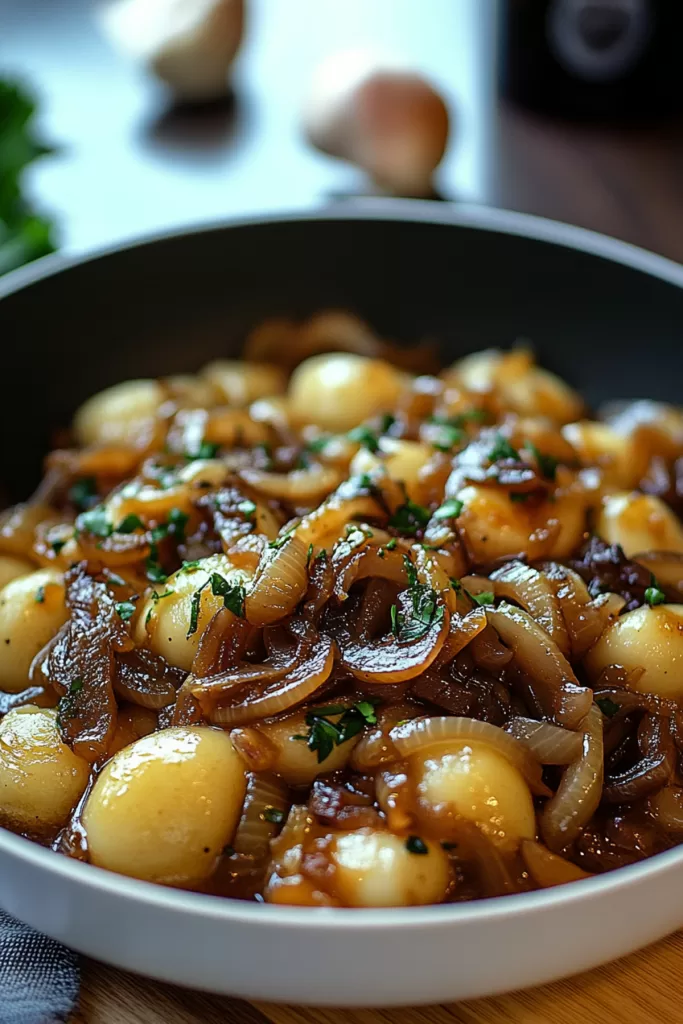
(76, 686)
(409, 518)
(194, 609)
(416, 845)
(189, 566)
(282, 539)
(394, 620)
(450, 509)
(390, 546)
(546, 463)
(386, 422)
(40, 594)
(57, 545)
(177, 521)
(206, 450)
(233, 594)
(654, 596)
(96, 521)
(129, 524)
(318, 444)
(456, 584)
(502, 449)
(323, 735)
(247, 508)
(365, 437)
(274, 815)
(607, 706)
(83, 493)
(447, 437)
(154, 571)
(309, 555)
(321, 556)
(125, 610)
(486, 597)
(114, 580)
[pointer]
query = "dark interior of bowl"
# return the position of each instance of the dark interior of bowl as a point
(170, 305)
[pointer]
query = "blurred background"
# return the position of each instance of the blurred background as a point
(169, 113)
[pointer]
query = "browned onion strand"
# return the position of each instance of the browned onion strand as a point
(549, 744)
(578, 795)
(534, 592)
(654, 771)
(550, 676)
(547, 868)
(266, 801)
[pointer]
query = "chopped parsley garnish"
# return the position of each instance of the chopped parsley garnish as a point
(113, 580)
(653, 595)
(247, 508)
(449, 433)
(309, 555)
(189, 566)
(450, 509)
(154, 571)
(274, 815)
(607, 706)
(233, 594)
(125, 609)
(323, 735)
(40, 594)
(546, 463)
(206, 450)
(96, 521)
(456, 584)
(416, 845)
(484, 598)
(410, 517)
(391, 544)
(386, 423)
(57, 545)
(502, 449)
(321, 556)
(318, 444)
(366, 437)
(82, 492)
(194, 609)
(129, 524)
(76, 686)
(424, 611)
(282, 539)
(177, 521)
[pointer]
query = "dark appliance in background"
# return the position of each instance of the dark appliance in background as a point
(598, 59)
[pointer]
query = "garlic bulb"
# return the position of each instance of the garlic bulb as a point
(381, 116)
(189, 44)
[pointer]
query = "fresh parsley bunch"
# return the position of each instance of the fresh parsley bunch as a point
(24, 235)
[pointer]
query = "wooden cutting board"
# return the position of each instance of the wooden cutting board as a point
(645, 988)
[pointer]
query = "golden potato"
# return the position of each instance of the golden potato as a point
(11, 568)
(474, 781)
(639, 522)
(339, 391)
(597, 444)
(41, 779)
(164, 807)
(165, 620)
(649, 638)
(298, 765)
(32, 610)
(239, 383)
(117, 413)
(378, 869)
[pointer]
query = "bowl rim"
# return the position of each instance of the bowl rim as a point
(108, 883)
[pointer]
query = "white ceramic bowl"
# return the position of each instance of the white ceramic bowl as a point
(341, 957)
(324, 956)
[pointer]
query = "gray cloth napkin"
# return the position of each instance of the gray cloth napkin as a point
(39, 979)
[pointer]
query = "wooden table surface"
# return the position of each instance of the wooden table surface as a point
(129, 165)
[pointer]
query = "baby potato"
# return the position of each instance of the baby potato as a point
(639, 522)
(522, 387)
(377, 869)
(474, 781)
(117, 413)
(341, 390)
(32, 610)
(648, 638)
(401, 460)
(298, 765)
(41, 779)
(164, 621)
(597, 444)
(239, 383)
(493, 526)
(11, 568)
(164, 807)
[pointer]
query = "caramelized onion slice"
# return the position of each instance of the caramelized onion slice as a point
(146, 679)
(548, 869)
(266, 806)
(535, 593)
(580, 789)
(586, 619)
(368, 562)
(294, 688)
(665, 566)
(655, 770)
(550, 676)
(423, 734)
(279, 584)
(549, 744)
(300, 487)
(389, 660)
(666, 808)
